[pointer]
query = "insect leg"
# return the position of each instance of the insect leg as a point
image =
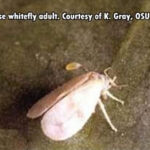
(106, 115)
(114, 98)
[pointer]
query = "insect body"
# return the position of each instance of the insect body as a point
(67, 109)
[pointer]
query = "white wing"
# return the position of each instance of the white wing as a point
(70, 114)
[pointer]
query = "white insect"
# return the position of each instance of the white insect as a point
(67, 109)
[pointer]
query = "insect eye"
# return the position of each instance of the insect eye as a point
(109, 85)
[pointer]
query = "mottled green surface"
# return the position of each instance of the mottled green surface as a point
(32, 60)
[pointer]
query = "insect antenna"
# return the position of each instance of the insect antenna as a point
(112, 81)
(106, 71)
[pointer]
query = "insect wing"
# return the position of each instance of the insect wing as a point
(51, 99)
(68, 116)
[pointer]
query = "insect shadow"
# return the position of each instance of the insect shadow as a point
(14, 116)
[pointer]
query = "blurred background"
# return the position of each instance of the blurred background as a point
(33, 56)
